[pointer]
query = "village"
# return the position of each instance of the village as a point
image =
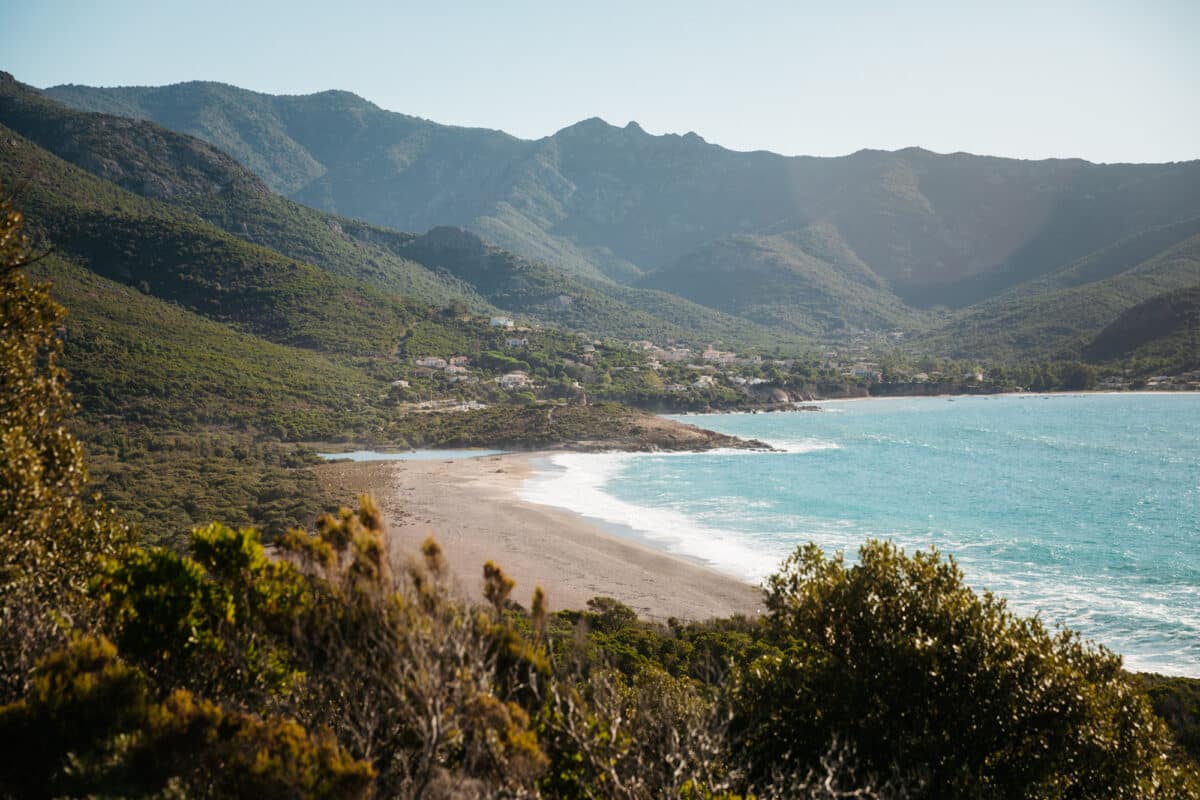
(497, 360)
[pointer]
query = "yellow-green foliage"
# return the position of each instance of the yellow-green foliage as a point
(89, 726)
(435, 691)
(212, 622)
(50, 540)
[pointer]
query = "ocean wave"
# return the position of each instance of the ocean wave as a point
(807, 445)
(577, 484)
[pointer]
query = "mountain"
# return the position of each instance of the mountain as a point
(172, 255)
(599, 199)
(191, 174)
(437, 268)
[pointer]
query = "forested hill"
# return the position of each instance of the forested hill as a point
(597, 198)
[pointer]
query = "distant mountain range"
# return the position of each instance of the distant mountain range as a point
(618, 231)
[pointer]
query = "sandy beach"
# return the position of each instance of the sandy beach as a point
(472, 508)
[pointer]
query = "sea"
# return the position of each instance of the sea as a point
(1081, 509)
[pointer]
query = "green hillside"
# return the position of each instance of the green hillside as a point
(186, 419)
(138, 358)
(807, 281)
(599, 307)
(172, 255)
(1159, 335)
(188, 173)
(1045, 320)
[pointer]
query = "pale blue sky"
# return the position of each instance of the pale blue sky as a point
(1107, 81)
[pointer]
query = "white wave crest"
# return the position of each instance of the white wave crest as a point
(577, 484)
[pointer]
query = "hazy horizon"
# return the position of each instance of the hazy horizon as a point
(1094, 80)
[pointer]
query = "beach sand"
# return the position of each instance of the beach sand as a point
(472, 508)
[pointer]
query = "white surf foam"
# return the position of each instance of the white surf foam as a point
(577, 484)
(807, 445)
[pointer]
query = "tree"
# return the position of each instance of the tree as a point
(923, 678)
(50, 540)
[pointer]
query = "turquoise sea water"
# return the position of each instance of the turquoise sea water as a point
(1083, 509)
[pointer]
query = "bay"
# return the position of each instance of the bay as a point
(1082, 509)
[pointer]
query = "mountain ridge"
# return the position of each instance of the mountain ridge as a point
(617, 202)
(615, 205)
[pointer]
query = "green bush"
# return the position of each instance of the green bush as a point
(926, 680)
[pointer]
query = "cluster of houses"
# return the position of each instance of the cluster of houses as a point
(455, 367)
(1189, 381)
(711, 365)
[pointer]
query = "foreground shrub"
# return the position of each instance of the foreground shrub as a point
(943, 688)
(89, 726)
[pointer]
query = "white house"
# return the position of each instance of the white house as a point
(514, 380)
(718, 356)
(868, 372)
(501, 322)
(516, 341)
(432, 362)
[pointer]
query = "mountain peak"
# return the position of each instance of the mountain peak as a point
(589, 125)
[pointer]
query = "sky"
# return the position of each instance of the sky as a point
(1102, 80)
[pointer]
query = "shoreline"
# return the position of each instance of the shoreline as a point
(473, 508)
(815, 405)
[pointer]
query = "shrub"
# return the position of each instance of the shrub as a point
(898, 659)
